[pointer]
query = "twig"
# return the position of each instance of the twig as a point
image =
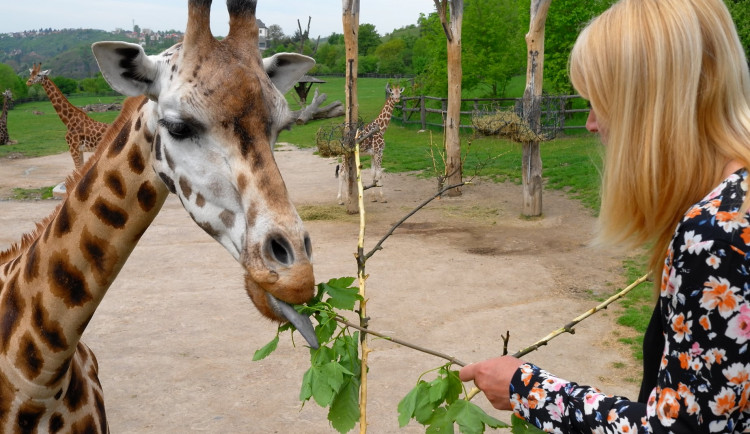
(361, 277)
(567, 328)
(414, 211)
(451, 359)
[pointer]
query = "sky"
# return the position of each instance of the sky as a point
(386, 15)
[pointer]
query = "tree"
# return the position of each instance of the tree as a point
(66, 85)
(451, 19)
(493, 45)
(275, 35)
(740, 10)
(532, 102)
(351, 26)
(9, 80)
(369, 39)
(565, 21)
(390, 56)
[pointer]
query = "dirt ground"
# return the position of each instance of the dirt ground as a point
(175, 334)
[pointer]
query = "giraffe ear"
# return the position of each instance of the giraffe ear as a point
(127, 68)
(285, 69)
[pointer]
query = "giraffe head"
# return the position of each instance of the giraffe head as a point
(216, 109)
(393, 93)
(8, 95)
(36, 75)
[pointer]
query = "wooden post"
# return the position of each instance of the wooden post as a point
(452, 29)
(532, 102)
(423, 112)
(351, 41)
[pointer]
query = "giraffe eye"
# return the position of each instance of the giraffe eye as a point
(179, 130)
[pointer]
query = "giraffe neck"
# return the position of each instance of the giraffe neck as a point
(65, 110)
(385, 115)
(55, 279)
(4, 115)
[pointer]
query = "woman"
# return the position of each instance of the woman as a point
(669, 89)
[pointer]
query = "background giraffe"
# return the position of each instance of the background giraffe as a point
(211, 144)
(373, 145)
(83, 133)
(4, 135)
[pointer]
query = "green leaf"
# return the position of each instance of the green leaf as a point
(424, 407)
(521, 426)
(440, 422)
(471, 418)
(326, 327)
(266, 350)
(306, 390)
(455, 386)
(344, 411)
(322, 392)
(408, 404)
(342, 296)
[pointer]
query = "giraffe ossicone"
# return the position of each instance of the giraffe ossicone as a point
(374, 145)
(202, 126)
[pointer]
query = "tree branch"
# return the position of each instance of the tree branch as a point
(414, 211)
(451, 359)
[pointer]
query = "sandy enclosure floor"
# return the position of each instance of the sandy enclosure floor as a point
(176, 333)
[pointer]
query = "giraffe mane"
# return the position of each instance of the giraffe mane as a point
(130, 106)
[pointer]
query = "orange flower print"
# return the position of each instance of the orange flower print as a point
(738, 328)
(681, 328)
(727, 220)
(536, 396)
(684, 359)
(714, 355)
(719, 294)
(705, 322)
(694, 211)
(667, 406)
(745, 235)
(725, 402)
(713, 261)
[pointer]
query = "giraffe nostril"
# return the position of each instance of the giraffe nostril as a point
(280, 250)
(308, 246)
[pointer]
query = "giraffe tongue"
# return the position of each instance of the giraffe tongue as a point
(301, 322)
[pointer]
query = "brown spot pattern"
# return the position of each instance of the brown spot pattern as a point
(109, 213)
(185, 187)
(136, 161)
(146, 196)
(29, 414)
(13, 307)
(83, 189)
(120, 141)
(100, 254)
(66, 281)
(31, 268)
(62, 221)
(29, 359)
(116, 183)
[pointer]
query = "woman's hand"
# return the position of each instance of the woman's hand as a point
(493, 377)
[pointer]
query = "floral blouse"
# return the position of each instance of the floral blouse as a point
(701, 378)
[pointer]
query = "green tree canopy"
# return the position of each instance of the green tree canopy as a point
(369, 39)
(9, 80)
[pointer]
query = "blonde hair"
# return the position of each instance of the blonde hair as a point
(668, 81)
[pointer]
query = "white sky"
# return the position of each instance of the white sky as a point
(386, 15)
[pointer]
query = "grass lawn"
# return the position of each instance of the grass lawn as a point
(571, 163)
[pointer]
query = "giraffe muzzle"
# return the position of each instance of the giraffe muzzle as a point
(301, 322)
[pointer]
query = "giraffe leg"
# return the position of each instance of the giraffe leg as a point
(377, 176)
(342, 175)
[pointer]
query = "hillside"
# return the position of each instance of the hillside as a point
(66, 52)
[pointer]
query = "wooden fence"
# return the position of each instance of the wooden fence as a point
(430, 111)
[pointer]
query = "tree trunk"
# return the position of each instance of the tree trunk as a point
(351, 42)
(452, 141)
(532, 107)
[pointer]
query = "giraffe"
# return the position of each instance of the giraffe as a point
(83, 133)
(4, 136)
(201, 124)
(373, 145)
